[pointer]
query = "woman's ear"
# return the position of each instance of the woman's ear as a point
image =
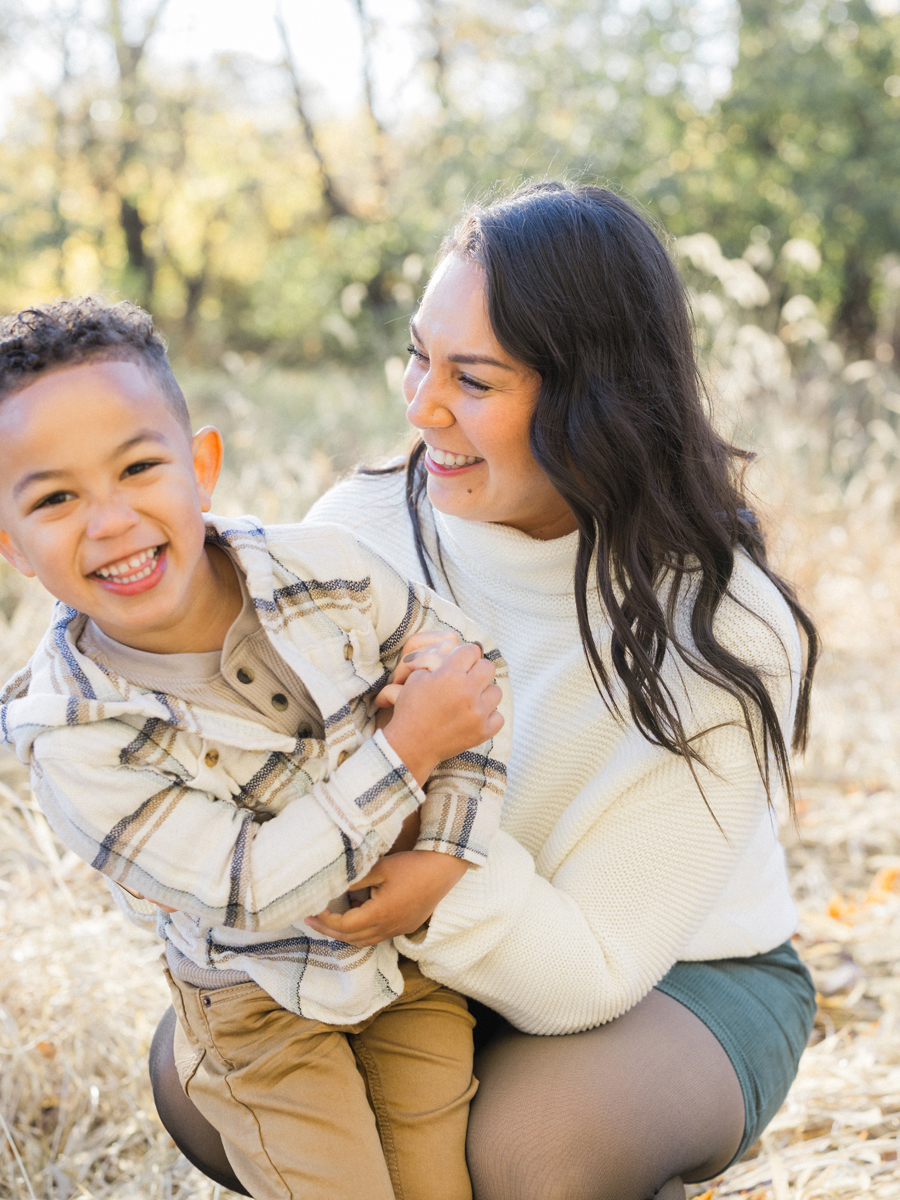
(207, 451)
(14, 555)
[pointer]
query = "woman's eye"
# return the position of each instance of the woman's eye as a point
(415, 352)
(474, 383)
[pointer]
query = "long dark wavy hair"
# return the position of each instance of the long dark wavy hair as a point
(580, 288)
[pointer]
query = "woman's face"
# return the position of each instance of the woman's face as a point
(473, 405)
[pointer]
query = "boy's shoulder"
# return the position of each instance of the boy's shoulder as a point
(310, 549)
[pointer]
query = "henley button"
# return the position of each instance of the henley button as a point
(342, 757)
(280, 701)
(245, 675)
(211, 757)
(348, 651)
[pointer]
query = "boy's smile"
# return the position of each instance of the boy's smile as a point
(102, 495)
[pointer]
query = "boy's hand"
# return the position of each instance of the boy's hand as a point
(442, 712)
(405, 890)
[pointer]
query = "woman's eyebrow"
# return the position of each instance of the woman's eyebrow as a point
(466, 359)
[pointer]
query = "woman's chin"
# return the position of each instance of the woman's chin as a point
(454, 499)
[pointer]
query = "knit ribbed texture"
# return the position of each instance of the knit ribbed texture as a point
(609, 866)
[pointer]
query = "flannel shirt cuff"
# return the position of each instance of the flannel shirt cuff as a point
(373, 790)
(461, 812)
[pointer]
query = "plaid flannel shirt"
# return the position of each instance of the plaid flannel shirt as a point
(242, 830)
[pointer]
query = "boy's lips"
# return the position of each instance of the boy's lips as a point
(133, 575)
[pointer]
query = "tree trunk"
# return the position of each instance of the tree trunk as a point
(855, 320)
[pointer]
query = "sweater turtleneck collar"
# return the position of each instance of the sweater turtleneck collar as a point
(481, 550)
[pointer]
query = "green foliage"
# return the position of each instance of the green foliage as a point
(253, 228)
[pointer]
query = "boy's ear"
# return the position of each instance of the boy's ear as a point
(207, 451)
(13, 555)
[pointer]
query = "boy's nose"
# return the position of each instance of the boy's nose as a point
(111, 519)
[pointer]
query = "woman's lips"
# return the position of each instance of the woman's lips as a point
(118, 588)
(439, 469)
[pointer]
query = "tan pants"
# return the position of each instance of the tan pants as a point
(309, 1111)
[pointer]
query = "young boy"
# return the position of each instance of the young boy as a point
(200, 721)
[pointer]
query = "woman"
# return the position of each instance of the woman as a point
(570, 494)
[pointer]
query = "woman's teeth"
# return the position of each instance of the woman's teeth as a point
(130, 570)
(452, 460)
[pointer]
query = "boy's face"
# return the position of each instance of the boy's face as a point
(102, 492)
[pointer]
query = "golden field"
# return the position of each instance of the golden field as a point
(81, 993)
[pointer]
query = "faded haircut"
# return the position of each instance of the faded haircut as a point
(82, 329)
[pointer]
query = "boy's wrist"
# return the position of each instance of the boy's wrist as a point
(416, 759)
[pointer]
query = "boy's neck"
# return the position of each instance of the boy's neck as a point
(216, 603)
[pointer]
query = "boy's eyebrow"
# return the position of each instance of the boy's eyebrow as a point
(465, 359)
(145, 435)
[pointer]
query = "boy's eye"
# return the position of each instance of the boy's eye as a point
(54, 498)
(138, 467)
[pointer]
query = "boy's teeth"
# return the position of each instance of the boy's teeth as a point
(130, 570)
(443, 459)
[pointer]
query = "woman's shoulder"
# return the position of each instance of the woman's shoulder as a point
(373, 508)
(360, 499)
(754, 620)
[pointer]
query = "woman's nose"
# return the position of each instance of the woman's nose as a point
(110, 518)
(425, 406)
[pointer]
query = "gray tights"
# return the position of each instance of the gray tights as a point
(623, 1112)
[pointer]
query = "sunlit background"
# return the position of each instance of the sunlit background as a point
(272, 181)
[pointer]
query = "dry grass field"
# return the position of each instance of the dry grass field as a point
(81, 993)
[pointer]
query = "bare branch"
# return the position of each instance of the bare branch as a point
(438, 31)
(367, 31)
(333, 201)
(129, 54)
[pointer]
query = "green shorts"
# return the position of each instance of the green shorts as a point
(761, 1009)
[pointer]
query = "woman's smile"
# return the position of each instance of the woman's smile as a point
(445, 462)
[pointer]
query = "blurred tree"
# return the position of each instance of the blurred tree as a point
(261, 226)
(805, 149)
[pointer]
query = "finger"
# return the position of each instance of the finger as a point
(483, 671)
(427, 658)
(429, 638)
(431, 658)
(337, 935)
(492, 696)
(494, 723)
(465, 657)
(387, 697)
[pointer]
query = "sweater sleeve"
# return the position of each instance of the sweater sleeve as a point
(575, 939)
(461, 811)
(178, 845)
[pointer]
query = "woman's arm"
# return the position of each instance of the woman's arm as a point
(638, 871)
(577, 947)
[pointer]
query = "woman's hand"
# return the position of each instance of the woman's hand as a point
(405, 889)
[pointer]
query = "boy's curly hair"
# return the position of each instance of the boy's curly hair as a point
(82, 329)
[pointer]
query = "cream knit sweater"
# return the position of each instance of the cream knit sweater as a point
(608, 867)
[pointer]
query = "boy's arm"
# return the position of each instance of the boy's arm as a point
(464, 794)
(182, 847)
(149, 829)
